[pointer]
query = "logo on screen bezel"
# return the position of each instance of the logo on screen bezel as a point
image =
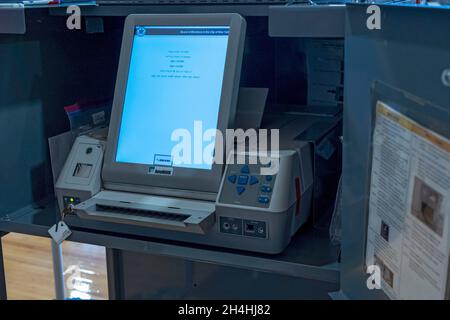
(140, 31)
(160, 170)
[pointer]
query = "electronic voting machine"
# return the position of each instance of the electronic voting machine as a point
(167, 170)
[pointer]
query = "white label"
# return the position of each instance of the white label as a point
(98, 117)
(161, 170)
(59, 232)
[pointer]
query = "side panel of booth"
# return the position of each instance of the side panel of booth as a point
(22, 136)
(42, 71)
(410, 52)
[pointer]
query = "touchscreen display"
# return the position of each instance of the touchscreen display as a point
(174, 83)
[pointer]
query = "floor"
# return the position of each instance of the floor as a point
(29, 269)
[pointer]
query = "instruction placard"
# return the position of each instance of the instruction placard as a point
(409, 207)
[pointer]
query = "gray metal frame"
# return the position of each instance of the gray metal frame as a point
(12, 20)
(58, 270)
(119, 175)
(113, 266)
(3, 294)
(301, 21)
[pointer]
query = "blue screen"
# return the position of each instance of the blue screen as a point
(175, 79)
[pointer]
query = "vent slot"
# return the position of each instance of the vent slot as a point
(142, 213)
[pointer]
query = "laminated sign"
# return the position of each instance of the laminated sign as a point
(409, 207)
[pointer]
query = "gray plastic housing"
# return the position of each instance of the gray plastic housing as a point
(273, 223)
(282, 189)
(80, 178)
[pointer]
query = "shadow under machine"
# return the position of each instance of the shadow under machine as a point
(178, 82)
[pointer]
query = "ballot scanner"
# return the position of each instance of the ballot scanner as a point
(175, 97)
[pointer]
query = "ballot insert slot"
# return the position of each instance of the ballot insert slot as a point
(142, 212)
(82, 170)
(183, 218)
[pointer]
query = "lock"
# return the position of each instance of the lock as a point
(446, 77)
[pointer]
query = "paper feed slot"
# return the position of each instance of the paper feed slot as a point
(168, 218)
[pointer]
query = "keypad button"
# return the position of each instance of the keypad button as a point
(232, 178)
(245, 169)
(263, 199)
(266, 188)
(253, 180)
(240, 190)
(243, 180)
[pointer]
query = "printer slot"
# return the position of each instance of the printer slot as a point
(82, 170)
(142, 212)
(182, 218)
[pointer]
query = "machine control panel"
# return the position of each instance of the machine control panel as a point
(245, 185)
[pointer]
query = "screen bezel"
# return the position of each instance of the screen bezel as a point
(123, 176)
